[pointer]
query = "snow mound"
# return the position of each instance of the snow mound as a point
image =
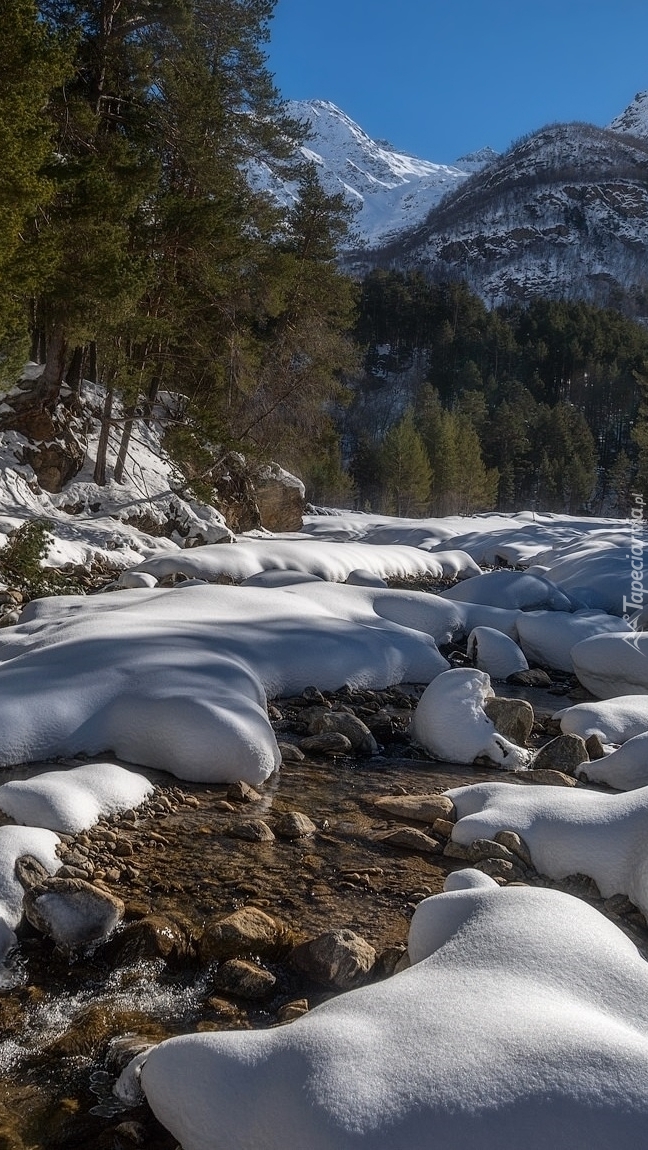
(567, 831)
(613, 720)
(451, 724)
(549, 638)
(514, 590)
(613, 664)
(625, 768)
(177, 678)
(329, 561)
(495, 653)
(496, 1035)
(73, 800)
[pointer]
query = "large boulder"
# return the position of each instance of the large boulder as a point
(280, 498)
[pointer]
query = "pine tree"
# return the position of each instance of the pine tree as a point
(405, 469)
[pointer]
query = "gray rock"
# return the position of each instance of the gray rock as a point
(454, 850)
(244, 979)
(564, 753)
(30, 872)
(490, 849)
(421, 808)
(339, 958)
(252, 831)
(294, 825)
(154, 936)
(513, 718)
(72, 912)
(499, 869)
(292, 1010)
(594, 748)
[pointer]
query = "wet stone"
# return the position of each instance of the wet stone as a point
(241, 792)
(349, 725)
(244, 979)
(339, 958)
(534, 677)
(422, 808)
(292, 1010)
(154, 936)
(252, 831)
(409, 838)
(72, 912)
(291, 753)
(294, 825)
(247, 932)
(328, 743)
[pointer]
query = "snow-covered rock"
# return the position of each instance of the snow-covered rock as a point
(495, 653)
(613, 664)
(495, 1035)
(451, 724)
(515, 590)
(14, 843)
(73, 800)
(549, 638)
(625, 768)
(613, 720)
(567, 831)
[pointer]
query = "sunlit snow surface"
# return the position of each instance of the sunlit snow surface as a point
(523, 1022)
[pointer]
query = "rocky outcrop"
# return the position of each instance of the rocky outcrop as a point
(251, 497)
(280, 498)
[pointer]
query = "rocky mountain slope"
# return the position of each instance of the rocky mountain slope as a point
(390, 190)
(564, 212)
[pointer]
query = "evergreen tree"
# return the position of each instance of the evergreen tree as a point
(405, 469)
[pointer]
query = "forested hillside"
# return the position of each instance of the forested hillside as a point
(540, 405)
(133, 251)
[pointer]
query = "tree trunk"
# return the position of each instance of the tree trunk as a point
(48, 384)
(150, 399)
(92, 361)
(123, 446)
(74, 372)
(99, 475)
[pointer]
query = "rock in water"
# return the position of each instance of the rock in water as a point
(72, 912)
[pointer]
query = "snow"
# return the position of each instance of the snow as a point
(625, 768)
(15, 842)
(495, 653)
(616, 664)
(325, 559)
(138, 673)
(451, 724)
(548, 638)
(513, 589)
(502, 1032)
(567, 831)
(614, 720)
(390, 190)
(73, 800)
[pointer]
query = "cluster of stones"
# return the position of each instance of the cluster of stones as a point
(344, 722)
(11, 601)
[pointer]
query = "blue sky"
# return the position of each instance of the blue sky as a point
(441, 78)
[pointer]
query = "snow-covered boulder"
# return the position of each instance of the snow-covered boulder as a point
(549, 637)
(613, 720)
(567, 831)
(496, 1035)
(178, 679)
(450, 722)
(625, 768)
(73, 800)
(14, 843)
(495, 653)
(613, 664)
(514, 590)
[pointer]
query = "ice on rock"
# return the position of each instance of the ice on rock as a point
(567, 831)
(451, 724)
(495, 653)
(73, 800)
(613, 720)
(505, 1030)
(613, 664)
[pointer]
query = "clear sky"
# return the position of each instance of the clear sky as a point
(440, 78)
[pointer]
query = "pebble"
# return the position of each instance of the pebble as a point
(409, 838)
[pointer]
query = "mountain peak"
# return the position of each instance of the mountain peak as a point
(634, 120)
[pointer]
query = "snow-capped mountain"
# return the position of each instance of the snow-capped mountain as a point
(634, 121)
(563, 213)
(391, 191)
